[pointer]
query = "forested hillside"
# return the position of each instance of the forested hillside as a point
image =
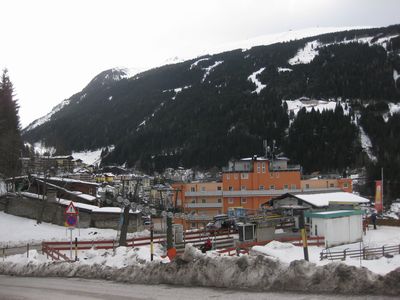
(205, 111)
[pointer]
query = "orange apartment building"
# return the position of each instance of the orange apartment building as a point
(247, 183)
(250, 182)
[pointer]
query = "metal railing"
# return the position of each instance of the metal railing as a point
(363, 253)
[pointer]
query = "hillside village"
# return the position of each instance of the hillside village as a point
(269, 168)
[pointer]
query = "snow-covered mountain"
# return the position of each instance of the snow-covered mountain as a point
(206, 110)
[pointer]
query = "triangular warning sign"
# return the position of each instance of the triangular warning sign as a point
(71, 209)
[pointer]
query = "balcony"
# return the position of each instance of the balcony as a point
(204, 194)
(204, 205)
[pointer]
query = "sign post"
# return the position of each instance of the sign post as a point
(71, 217)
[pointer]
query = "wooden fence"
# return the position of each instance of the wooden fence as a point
(364, 253)
(245, 247)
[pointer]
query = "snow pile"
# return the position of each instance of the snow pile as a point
(253, 79)
(246, 272)
(122, 257)
(209, 69)
(305, 55)
(286, 252)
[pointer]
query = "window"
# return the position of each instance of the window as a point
(203, 201)
(331, 185)
(261, 187)
(193, 225)
(263, 167)
(192, 189)
(236, 176)
(193, 200)
(293, 187)
(244, 176)
(285, 187)
(230, 200)
(345, 185)
(307, 186)
(219, 200)
(258, 167)
(203, 188)
(218, 188)
(272, 187)
(243, 187)
(243, 200)
(228, 176)
(230, 188)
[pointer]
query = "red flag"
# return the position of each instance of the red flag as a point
(378, 196)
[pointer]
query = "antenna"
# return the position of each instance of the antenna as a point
(265, 145)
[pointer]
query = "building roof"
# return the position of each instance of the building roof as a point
(333, 214)
(323, 199)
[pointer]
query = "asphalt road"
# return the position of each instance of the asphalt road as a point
(22, 288)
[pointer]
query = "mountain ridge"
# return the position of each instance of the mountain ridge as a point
(204, 111)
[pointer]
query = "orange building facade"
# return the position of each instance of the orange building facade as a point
(247, 183)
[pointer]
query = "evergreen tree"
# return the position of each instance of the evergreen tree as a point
(10, 138)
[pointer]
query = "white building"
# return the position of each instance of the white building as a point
(338, 227)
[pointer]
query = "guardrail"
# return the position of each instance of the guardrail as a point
(364, 253)
(52, 249)
(7, 251)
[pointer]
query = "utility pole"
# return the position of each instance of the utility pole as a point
(382, 187)
(303, 234)
(125, 220)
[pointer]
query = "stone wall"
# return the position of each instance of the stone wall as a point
(53, 212)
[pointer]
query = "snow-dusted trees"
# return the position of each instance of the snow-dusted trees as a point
(10, 138)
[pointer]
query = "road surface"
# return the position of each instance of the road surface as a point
(34, 288)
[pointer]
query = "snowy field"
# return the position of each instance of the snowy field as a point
(274, 267)
(22, 231)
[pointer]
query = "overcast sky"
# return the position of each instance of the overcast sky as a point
(53, 48)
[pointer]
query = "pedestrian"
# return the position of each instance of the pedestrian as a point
(206, 246)
(373, 218)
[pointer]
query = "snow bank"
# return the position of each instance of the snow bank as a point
(245, 272)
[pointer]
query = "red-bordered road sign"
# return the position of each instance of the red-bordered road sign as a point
(71, 209)
(71, 220)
